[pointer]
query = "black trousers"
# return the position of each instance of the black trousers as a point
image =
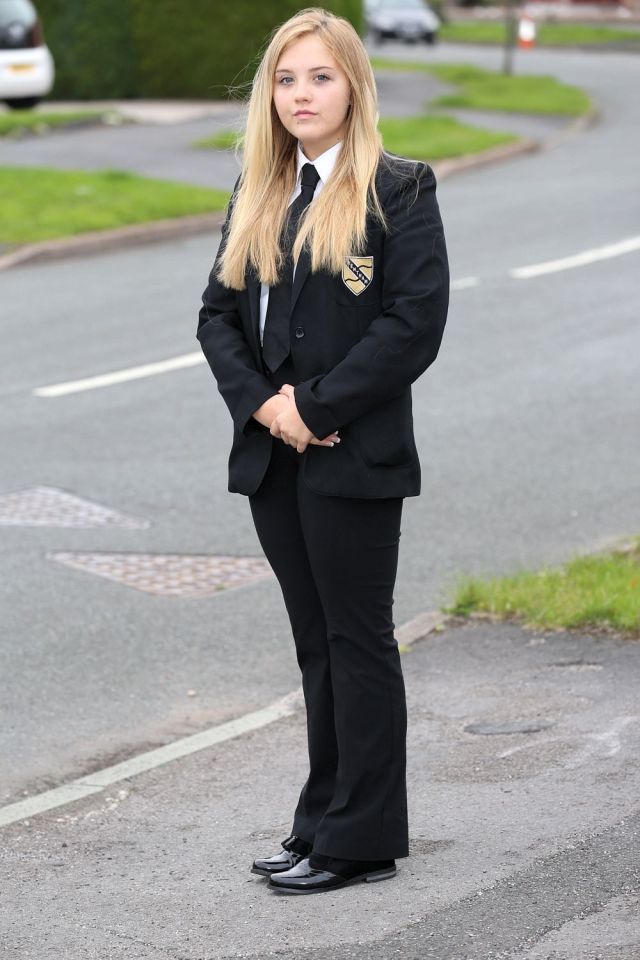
(336, 560)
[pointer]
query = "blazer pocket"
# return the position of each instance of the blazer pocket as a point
(384, 436)
(381, 449)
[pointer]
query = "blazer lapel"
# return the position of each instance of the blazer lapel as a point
(303, 267)
(253, 292)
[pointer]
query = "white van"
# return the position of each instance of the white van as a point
(26, 64)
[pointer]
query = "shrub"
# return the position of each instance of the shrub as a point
(163, 48)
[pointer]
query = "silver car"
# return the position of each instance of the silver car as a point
(408, 20)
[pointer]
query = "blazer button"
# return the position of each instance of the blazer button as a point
(299, 332)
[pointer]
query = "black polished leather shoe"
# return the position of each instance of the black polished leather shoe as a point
(294, 849)
(316, 873)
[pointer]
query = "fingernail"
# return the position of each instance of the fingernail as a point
(332, 443)
(338, 440)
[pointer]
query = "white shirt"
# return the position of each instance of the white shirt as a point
(324, 164)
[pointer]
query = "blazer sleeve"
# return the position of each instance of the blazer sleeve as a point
(242, 386)
(401, 342)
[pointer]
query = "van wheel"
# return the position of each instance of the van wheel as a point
(22, 103)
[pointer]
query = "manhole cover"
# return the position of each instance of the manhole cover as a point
(49, 507)
(171, 575)
(511, 726)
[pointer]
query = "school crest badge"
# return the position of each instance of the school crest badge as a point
(357, 273)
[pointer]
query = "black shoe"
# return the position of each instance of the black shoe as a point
(313, 874)
(294, 849)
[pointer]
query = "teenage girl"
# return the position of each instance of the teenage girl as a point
(327, 300)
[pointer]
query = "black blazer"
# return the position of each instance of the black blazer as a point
(358, 342)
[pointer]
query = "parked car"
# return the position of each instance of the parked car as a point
(26, 64)
(408, 20)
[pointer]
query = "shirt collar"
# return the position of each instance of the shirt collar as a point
(324, 164)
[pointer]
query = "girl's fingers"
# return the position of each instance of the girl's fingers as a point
(324, 443)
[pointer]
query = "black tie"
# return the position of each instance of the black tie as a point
(276, 341)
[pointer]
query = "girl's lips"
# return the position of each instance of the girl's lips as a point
(304, 113)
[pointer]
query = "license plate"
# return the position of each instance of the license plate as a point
(21, 67)
(410, 29)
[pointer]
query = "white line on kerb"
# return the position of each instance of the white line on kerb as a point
(95, 782)
(406, 634)
(577, 260)
(120, 376)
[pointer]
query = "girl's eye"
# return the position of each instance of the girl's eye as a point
(321, 76)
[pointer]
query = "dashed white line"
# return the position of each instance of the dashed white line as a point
(464, 283)
(629, 245)
(406, 635)
(577, 260)
(121, 376)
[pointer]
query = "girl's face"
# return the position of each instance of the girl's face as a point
(311, 95)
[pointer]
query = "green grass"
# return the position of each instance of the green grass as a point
(598, 590)
(223, 140)
(19, 120)
(481, 89)
(485, 90)
(437, 137)
(548, 34)
(40, 204)
(422, 138)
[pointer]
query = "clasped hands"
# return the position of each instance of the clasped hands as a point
(288, 425)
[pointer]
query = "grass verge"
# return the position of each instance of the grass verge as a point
(548, 34)
(593, 591)
(481, 89)
(422, 138)
(40, 204)
(222, 140)
(22, 121)
(437, 137)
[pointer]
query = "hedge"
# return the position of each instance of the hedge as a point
(93, 47)
(163, 48)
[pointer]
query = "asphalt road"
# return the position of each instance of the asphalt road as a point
(527, 425)
(522, 846)
(166, 150)
(154, 147)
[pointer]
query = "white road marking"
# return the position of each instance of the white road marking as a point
(97, 781)
(464, 283)
(577, 260)
(629, 245)
(161, 366)
(197, 357)
(406, 634)
(120, 376)
(607, 743)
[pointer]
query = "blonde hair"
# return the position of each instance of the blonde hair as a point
(334, 226)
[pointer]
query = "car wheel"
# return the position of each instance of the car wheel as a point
(22, 103)
(430, 38)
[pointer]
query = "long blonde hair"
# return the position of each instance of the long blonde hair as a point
(334, 226)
